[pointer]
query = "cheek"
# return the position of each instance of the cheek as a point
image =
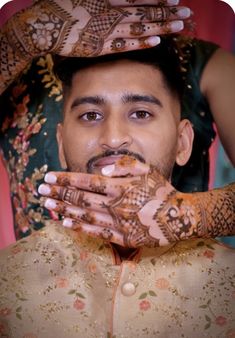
(159, 143)
(79, 147)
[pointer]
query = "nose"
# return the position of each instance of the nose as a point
(115, 135)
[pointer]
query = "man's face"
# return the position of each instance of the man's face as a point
(118, 108)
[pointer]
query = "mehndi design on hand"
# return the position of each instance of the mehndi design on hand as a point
(125, 208)
(139, 210)
(82, 28)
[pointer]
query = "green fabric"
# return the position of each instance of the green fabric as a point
(194, 176)
(31, 108)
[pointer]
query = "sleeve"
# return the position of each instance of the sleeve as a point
(29, 112)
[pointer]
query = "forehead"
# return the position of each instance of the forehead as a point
(113, 76)
(112, 80)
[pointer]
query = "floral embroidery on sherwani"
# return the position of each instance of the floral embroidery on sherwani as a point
(59, 283)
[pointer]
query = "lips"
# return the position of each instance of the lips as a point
(102, 162)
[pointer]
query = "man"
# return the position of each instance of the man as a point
(64, 283)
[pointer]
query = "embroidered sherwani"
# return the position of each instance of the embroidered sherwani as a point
(58, 283)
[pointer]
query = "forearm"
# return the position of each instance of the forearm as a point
(218, 211)
(207, 214)
(26, 35)
(12, 60)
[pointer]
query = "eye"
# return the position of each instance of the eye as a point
(91, 116)
(140, 114)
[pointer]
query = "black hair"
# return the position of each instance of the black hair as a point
(164, 57)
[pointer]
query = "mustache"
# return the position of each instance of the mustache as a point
(90, 163)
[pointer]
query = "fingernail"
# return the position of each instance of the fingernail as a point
(153, 40)
(44, 189)
(184, 12)
(172, 2)
(176, 26)
(50, 178)
(50, 204)
(108, 169)
(67, 223)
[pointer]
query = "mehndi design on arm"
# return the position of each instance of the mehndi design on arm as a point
(142, 210)
(207, 214)
(33, 34)
(10, 62)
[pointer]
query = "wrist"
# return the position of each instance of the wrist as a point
(180, 217)
(17, 35)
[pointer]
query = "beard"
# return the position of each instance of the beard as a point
(164, 166)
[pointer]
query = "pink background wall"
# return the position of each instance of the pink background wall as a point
(215, 21)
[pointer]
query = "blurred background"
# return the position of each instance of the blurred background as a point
(215, 21)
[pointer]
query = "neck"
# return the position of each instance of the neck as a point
(123, 252)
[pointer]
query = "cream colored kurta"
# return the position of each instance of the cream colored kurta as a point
(58, 284)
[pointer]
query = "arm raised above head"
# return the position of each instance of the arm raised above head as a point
(83, 28)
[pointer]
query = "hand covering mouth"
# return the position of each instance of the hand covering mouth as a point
(96, 163)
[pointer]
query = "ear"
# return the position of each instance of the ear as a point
(185, 142)
(59, 138)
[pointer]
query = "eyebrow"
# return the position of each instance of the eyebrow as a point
(96, 100)
(127, 98)
(133, 98)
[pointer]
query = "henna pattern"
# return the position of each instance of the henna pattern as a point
(75, 3)
(137, 29)
(39, 34)
(27, 35)
(10, 62)
(88, 218)
(106, 234)
(180, 216)
(124, 209)
(72, 196)
(177, 218)
(118, 45)
(209, 214)
(156, 14)
(63, 180)
(98, 185)
(103, 20)
(219, 214)
(131, 1)
(46, 26)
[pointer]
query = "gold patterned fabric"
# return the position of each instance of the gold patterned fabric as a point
(59, 283)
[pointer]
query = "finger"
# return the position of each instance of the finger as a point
(80, 214)
(93, 186)
(155, 14)
(126, 166)
(95, 231)
(120, 45)
(139, 29)
(65, 195)
(87, 182)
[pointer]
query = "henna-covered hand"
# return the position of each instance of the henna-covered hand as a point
(138, 210)
(84, 28)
